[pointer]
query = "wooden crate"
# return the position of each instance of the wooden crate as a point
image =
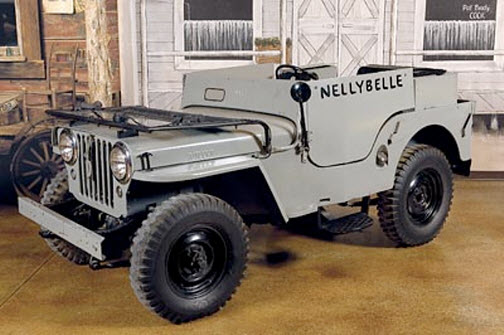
(10, 108)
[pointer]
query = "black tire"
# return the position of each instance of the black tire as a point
(57, 193)
(414, 211)
(188, 257)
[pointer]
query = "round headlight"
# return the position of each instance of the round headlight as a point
(67, 145)
(120, 163)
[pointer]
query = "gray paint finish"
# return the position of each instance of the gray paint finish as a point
(345, 115)
(352, 131)
(68, 230)
(345, 132)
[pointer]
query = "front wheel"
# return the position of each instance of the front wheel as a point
(56, 194)
(414, 211)
(188, 257)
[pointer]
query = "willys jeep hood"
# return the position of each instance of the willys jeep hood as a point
(176, 147)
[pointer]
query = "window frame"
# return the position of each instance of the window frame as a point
(19, 47)
(185, 64)
(462, 65)
(29, 65)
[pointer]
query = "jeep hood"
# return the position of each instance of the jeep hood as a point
(175, 147)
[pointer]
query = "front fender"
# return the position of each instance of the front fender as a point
(204, 169)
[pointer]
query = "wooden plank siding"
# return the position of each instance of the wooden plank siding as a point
(271, 18)
(469, 79)
(69, 30)
(162, 74)
(165, 82)
(139, 49)
(164, 77)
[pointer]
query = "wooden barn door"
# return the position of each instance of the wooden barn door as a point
(347, 33)
(360, 34)
(315, 32)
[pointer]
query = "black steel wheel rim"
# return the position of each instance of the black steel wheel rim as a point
(197, 262)
(425, 196)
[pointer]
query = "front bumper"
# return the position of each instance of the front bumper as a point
(81, 237)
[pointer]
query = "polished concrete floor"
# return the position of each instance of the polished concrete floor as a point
(296, 283)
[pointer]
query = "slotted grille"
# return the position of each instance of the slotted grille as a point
(95, 178)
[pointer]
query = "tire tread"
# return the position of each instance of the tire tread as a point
(149, 236)
(389, 202)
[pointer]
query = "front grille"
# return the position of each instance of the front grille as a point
(96, 181)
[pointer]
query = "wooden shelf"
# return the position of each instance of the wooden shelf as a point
(12, 59)
(11, 130)
(22, 70)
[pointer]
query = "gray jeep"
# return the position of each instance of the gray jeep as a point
(173, 192)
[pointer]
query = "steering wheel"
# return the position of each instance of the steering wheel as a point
(296, 71)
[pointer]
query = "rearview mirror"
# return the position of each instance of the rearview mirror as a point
(301, 92)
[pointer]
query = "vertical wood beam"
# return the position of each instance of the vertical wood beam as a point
(393, 33)
(145, 58)
(98, 57)
(28, 22)
(283, 22)
(130, 90)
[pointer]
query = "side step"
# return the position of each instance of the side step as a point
(347, 224)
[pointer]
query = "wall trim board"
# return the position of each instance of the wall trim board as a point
(128, 50)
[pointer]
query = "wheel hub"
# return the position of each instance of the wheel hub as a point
(424, 196)
(49, 169)
(421, 198)
(34, 165)
(196, 262)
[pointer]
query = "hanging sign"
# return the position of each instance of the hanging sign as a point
(463, 10)
(58, 6)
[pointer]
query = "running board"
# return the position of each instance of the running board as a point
(345, 225)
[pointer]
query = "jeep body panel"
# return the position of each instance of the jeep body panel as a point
(176, 155)
(345, 115)
(197, 170)
(301, 188)
(348, 119)
(193, 145)
(261, 95)
(250, 145)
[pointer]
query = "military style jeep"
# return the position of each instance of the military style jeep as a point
(172, 192)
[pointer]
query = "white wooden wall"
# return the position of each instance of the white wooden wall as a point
(387, 31)
(405, 30)
(164, 81)
(139, 50)
(476, 80)
(271, 18)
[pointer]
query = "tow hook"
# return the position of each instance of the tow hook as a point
(96, 264)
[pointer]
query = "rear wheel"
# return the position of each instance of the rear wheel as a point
(188, 257)
(414, 211)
